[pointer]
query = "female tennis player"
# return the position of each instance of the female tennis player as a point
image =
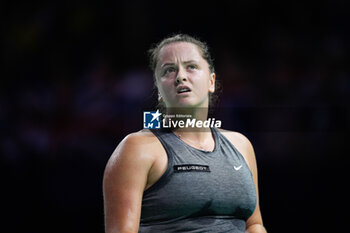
(176, 179)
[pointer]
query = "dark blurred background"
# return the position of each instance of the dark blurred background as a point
(75, 80)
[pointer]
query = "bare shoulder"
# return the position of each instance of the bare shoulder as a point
(135, 148)
(237, 139)
(242, 144)
(235, 136)
(139, 139)
(125, 179)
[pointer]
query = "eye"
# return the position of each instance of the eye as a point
(191, 67)
(169, 70)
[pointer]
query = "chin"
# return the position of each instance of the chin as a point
(189, 105)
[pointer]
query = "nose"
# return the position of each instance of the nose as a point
(181, 76)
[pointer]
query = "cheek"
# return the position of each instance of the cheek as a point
(164, 85)
(201, 81)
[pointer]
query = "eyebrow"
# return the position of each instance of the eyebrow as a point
(185, 62)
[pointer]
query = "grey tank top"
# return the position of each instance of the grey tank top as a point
(200, 191)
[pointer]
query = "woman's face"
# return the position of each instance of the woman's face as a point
(183, 77)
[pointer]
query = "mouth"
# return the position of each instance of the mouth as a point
(182, 89)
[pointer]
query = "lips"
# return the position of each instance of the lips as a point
(182, 89)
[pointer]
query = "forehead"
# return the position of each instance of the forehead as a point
(179, 50)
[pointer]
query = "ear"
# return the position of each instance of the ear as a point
(212, 82)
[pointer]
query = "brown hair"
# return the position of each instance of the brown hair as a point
(203, 47)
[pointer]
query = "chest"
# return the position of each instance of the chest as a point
(204, 186)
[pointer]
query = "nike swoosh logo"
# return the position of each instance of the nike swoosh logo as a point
(237, 168)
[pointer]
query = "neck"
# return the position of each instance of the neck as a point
(192, 113)
(191, 133)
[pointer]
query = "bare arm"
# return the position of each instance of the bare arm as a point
(256, 228)
(254, 224)
(124, 181)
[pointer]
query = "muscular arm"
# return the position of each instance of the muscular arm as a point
(124, 181)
